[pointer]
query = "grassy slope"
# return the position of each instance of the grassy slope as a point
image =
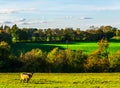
(87, 47)
(62, 80)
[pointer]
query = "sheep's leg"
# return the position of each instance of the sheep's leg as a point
(21, 80)
(27, 80)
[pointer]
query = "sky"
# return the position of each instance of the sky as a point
(60, 13)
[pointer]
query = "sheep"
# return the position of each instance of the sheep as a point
(25, 77)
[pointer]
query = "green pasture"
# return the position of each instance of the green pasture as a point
(86, 47)
(62, 80)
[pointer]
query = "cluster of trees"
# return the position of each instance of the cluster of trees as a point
(58, 60)
(17, 34)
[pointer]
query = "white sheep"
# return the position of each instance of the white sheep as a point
(25, 77)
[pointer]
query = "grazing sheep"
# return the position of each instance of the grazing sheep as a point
(25, 77)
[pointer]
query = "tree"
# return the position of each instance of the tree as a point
(108, 31)
(4, 55)
(5, 37)
(118, 33)
(7, 29)
(51, 58)
(98, 61)
(48, 33)
(33, 60)
(103, 46)
(14, 30)
(79, 61)
(22, 35)
(39, 35)
(4, 50)
(69, 34)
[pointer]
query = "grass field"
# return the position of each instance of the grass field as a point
(62, 80)
(87, 47)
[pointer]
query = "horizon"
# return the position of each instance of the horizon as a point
(60, 14)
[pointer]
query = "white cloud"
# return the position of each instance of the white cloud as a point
(44, 22)
(104, 8)
(7, 11)
(78, 7)
(20, 20)
(10, 11)
(28, 23)
(85, 18)
(25, 23)
(7, 22)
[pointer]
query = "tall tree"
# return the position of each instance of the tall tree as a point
(14, 30)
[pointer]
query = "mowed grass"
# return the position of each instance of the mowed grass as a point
(62, 80)
(86, 47)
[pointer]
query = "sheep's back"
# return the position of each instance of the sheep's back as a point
(24, 76)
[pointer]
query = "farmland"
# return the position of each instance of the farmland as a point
(86, 47)
(62, 80)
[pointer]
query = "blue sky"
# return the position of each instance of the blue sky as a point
(60, 13)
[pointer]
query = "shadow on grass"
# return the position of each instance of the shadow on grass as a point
(17, 48)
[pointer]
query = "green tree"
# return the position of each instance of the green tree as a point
(5, 37)
(14, 30)
(48, 33)
(4, 50)
(22, 35)
(4, 56)
(51, 58)
(69, 34)
(33, 60)
(103, 46)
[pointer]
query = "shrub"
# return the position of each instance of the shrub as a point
(115, 62)
(33, 60)
(95, 64)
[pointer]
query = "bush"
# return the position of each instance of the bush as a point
(115, 62)
(96, 64)
(33, 60)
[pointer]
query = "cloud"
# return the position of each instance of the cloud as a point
(17, 21)
(105, 8)
(85, 18)
(7, 11)
(7, 22)
(44, 22)
(11, 11)
(20, 20)
(78, 7)
(28, 23)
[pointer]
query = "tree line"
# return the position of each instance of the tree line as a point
(58, 60)
(16, 34)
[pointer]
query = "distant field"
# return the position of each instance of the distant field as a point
(87, 47)
(62, 80)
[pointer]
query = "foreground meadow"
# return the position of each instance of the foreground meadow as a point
(62, 80)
